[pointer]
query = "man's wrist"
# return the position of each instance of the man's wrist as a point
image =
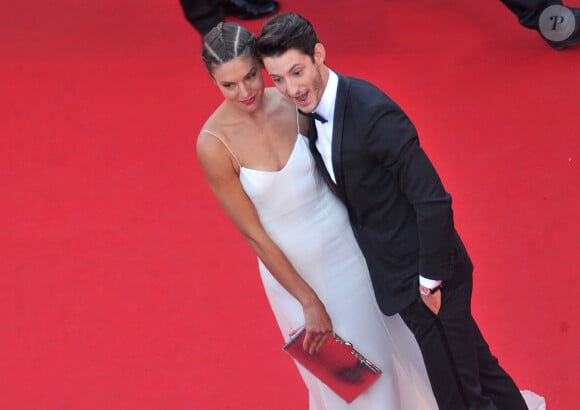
(425, 291)
(429, 283)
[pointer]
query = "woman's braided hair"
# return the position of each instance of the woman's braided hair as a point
(225, 42)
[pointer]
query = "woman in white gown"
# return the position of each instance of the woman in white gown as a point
(258, 165)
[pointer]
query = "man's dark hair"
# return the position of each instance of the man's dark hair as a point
(284, 32)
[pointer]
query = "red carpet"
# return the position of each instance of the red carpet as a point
(123, 286)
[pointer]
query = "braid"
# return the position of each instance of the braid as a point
(212, 52)
(237, 41)
(225, 42)
(220, 30)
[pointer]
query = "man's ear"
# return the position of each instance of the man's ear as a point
(319, 54)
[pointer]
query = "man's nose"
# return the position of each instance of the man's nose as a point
(292, 88)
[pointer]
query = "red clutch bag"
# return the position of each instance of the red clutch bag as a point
(337, 364)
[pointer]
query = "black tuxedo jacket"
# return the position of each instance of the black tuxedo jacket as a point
(400, 213)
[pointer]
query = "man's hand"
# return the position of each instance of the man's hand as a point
(433, 301)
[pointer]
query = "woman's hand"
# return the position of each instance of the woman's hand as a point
(317, 324)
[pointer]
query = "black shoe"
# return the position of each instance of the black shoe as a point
(560, 26)
(250, 9)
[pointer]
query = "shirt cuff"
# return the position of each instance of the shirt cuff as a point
(429, 283)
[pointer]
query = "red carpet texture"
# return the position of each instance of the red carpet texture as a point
(123, 286)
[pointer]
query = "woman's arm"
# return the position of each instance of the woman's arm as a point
(222, 177)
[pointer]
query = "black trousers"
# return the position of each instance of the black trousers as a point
(203, 14)
(528, 11)
(462, 370)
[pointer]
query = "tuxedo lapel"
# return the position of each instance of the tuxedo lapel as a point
(337, 133)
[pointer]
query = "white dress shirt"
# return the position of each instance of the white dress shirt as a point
(325, 109)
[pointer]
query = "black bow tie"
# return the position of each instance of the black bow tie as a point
(314, 115)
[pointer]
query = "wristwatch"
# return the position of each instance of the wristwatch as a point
(425, 291)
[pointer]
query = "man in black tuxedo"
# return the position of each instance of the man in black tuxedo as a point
(206, 14)
(369, 153)
(557, 24)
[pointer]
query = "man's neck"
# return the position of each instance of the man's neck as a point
(324, 73)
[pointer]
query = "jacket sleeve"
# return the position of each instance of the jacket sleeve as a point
(394, 142)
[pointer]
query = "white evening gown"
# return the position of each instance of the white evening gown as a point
(311, 226)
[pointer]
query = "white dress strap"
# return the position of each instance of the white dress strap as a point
(223, 142)
(297, 120)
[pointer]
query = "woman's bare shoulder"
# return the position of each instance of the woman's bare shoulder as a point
(279, 104)
(213, 153)
(211, 137)
(276, 96)
(215, 120)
